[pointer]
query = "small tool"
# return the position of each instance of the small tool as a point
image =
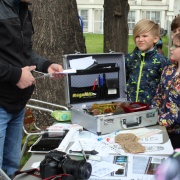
(93, 152)
(43, 75)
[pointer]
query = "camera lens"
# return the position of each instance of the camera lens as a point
(79, 169)
(85, 170)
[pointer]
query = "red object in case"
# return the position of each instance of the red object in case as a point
(135, 106)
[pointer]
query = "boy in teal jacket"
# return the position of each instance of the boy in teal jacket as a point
(144, 65)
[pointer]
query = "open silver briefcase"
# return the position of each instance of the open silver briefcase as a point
(103, 82)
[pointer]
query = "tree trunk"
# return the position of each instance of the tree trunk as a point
(57, 32)
(116, 26)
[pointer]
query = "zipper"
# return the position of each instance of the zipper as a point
(140, 75)
(22, 17)
(22, 35)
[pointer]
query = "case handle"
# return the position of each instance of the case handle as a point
(126, 125)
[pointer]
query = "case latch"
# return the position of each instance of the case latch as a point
(108, 121)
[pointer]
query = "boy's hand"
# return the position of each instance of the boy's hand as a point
(27, 78)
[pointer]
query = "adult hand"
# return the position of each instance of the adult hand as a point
(27, 78)
(53, 69)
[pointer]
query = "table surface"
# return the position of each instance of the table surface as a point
(37, 157)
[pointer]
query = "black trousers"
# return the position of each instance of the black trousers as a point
(175, 140)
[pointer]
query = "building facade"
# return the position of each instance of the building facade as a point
(160, 11)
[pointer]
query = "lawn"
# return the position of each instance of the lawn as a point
(94, 43)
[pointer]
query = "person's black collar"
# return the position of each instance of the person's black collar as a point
(10, 2)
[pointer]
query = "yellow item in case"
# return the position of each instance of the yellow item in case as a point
(104, 108)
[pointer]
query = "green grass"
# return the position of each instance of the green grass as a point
(165, 45)
(94, 43)
(131, 44)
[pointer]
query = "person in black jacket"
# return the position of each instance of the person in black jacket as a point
(17, 61)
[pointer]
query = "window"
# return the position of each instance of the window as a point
(131, 20)
(83, 13)
(154, 16)
(98, 21)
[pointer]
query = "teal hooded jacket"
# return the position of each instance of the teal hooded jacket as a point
(143, 73)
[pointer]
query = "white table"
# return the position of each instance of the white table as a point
(36, 157)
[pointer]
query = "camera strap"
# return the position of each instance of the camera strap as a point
(35, 172)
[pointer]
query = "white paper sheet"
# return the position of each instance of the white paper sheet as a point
(154, 139)
(81, 63)
(103, 168)
(36, 164)
(67, 71)
(131, 167)
(142, 132)
(163, 149)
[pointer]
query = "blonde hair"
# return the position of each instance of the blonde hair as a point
(144, 26)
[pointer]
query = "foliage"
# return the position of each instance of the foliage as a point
(24, 159)
(27, 154)
(165, 45)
